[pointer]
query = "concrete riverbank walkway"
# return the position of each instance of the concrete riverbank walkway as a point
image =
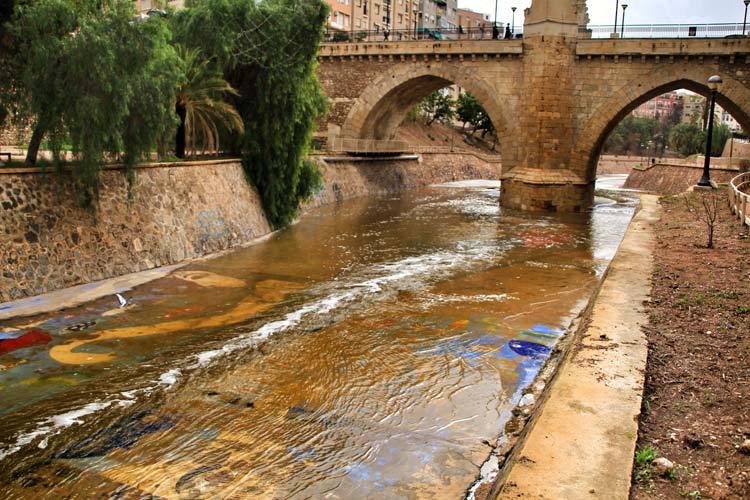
(582, 441)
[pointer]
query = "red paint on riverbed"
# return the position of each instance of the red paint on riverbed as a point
(29, 339)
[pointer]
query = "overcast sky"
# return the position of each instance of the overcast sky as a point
(638, 11)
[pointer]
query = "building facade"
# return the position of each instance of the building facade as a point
(467, 18)
(663, 107)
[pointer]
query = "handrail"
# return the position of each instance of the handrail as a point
(689, 30)
(435, 34)
(375, 146)
(364, 146)
(685, 30)
(739, 201)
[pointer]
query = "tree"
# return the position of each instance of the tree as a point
(635, 135)
(94, 77)
(438, 106)
(268, 52)
(468, 110)
(6, 13)
(200, 104)
(719, 138)
(687, 139)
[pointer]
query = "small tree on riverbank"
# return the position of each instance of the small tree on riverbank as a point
(705, 211)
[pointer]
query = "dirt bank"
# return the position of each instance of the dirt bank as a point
(673, 178)
(697, 397)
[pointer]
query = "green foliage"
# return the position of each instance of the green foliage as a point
(643, 459)
(95, 77)
(687, 138)
(646, 455)
(200, 94)
(469, 111)
(268, 51)
(438, 106)
(720, 136)
(340, 36)
(637, 136)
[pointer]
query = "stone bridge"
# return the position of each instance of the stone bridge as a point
(553, 97)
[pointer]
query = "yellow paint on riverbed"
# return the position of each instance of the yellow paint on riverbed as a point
(268, 294)
(207, 279)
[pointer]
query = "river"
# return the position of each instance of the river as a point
(376, 349)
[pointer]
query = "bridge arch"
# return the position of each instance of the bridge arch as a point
(733, 97)
(384, 104)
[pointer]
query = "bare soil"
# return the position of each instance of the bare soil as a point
(438, 134)
(696, 410)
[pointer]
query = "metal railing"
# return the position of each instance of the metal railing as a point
(721, 30)
(436, 34)
(382, 147)
(367, 146)
(739, 200)
(724, 30)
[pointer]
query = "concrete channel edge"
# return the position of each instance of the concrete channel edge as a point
(579, 439)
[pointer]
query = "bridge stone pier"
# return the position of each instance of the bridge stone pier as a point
(553, 97)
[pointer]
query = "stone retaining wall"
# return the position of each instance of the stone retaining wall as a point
(177, 212)
(354, 178)
(673, 179)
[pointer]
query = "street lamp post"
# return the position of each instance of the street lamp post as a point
(622, 32)
(513, 22)
(617, 11)
(744, 21)
(494, 23)
(714, 83)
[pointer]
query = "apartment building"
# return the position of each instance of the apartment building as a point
(692, 110)
(467, 18)
(661, 108)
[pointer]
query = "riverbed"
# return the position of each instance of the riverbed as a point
(373, 350)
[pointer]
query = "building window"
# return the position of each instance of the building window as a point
(400, 18)
(377, 9)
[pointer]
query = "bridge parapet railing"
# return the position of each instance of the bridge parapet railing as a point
(723, 30)
(739, 199)
(446, 34)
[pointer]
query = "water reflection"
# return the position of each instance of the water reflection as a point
(396, 334)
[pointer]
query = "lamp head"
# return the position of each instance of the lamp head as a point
(514, 9)
(624, 6)
(747, 2)
(714, 83)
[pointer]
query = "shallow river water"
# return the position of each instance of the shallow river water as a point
(374, 350)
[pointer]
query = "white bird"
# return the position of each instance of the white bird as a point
(123, 300)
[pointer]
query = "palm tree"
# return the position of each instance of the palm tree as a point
(200, 104)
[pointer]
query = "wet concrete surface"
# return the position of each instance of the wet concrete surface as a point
(375, 350)
(583, 442)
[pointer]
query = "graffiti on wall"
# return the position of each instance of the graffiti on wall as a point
(211, 225)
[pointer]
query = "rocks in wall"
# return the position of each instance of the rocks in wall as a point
(175, 213)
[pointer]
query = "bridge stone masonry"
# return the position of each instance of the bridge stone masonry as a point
(553, 97)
